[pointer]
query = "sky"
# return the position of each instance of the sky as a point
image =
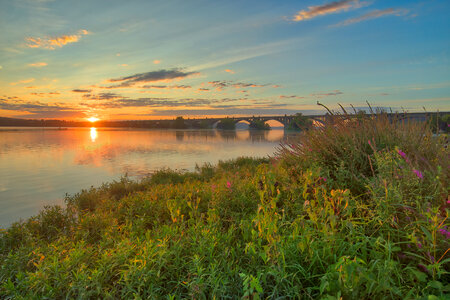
(133, 60)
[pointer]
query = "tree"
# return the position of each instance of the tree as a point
(300, 122)
(179, 123)
(259, 125)
(226, 124)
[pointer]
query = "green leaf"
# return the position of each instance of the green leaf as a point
(436, 284)
(422, 277)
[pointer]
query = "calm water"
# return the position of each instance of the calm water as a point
(39, 166)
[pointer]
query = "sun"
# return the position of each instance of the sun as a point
(93, 119)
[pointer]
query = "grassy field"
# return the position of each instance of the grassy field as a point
(357, 210)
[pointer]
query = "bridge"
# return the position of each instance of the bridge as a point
(286, 120)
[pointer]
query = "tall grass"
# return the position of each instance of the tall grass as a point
(357, 210)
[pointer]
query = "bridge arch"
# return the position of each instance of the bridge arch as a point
(273, 123)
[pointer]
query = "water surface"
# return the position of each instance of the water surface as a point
(39, 166)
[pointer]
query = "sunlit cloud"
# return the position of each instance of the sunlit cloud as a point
(1, 67)
(156, 61)
(374, 15)
(123, 65)
(229, 71)
(52, 43)
(38, 64)
(328, 8)
(22, 81)
(160, 75)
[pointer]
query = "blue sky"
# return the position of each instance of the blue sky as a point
(159, 59)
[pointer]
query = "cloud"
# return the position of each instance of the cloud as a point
(229, 71)
(373, 15)
(52, 43)
(203, 89)
(1, 67)
(221, 84)
(81, 91)
(166, 86)
(123, 65)
(325, 9)
(326, 94)
(38, 109)
(102, 96)
(45, 94)
(38, 64)
(152, 76)
(291, 97)
(156, 61)
(22, 81)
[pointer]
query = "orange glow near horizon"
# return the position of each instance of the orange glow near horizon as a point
(93, 119)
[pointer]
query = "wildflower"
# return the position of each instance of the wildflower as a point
(423, 268)
(444, 232)
(419, 245)
(402, 154)
(228, 184)
(418, 173)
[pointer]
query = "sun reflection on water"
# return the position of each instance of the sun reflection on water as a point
(93, 134)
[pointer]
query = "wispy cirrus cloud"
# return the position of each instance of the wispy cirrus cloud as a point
(153, 76)
(328, 8)
(38, 64)
(374, 15)
(51, 43)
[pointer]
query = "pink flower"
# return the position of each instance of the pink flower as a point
(418, 173)
(228, 184)
(403, 154)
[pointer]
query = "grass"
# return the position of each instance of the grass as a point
(357, 210)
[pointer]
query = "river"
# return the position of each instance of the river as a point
(38, 166)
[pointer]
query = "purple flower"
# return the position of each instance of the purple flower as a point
(444, 232)
(403, 154)
(419, 245)
(418, 173)
(423, 268)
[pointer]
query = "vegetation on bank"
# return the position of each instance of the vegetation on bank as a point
(358, 210)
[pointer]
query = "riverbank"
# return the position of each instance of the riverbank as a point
(357, 210)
